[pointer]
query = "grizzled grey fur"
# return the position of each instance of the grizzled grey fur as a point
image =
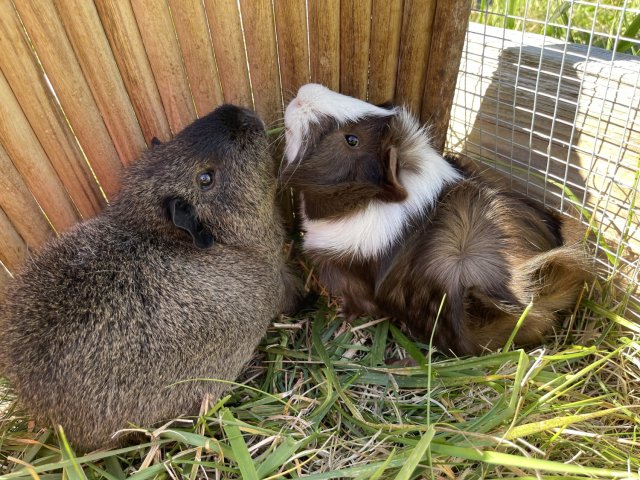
(175, 280)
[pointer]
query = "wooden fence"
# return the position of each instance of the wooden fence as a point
(85, 85)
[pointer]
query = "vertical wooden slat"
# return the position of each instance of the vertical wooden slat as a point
(5, 278)
(13, 250)
(43, 113)
(262, 54)
(56, 54)
(161, 44)
(293, 51)
(385, 48)
(355, 32)
(190, 21)
(27, 154)
(417, 22)
(324, 42)
(119, 23)
(228, 45)
(92, 49)
(449, 29)
(20, 206)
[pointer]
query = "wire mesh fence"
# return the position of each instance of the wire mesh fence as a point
(548, 93)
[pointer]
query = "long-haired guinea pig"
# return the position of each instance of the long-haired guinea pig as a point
(177, 279)
(393, 227)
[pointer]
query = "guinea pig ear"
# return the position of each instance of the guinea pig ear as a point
(184, 217)
(155, 141)
(393, 189)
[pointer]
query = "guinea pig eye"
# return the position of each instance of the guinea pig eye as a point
(352, 140)
(205, 180)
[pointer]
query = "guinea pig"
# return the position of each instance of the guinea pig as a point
(176, 280)
(395, 229)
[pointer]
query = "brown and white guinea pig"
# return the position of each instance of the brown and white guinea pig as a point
(392, 227)
(177, 280)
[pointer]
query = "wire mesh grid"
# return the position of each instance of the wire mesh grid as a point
(548, 94)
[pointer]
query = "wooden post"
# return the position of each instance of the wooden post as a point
(26, 79)
(26, 153)
(190, 22)
(355, 33)
(449, 29)
(54, 50)
(415, 38)
(120, 26)
(291, 28)
(20, 206)
(262, 54)
(161, 45)
(13, 250)
(385, 49)
(324, 42)
(228, 44)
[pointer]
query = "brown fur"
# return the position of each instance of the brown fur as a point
(490, 251)
(99, 327)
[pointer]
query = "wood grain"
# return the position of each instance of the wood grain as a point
(92, 49)
(415, 41)
(291, 28)
(27, 82)
(19, 205)
(13, 250)
(355, 33)
(26, 153)
(5, 279)
(262, 54)
(449, 29)
(324, 41)
(160, 42)
(119, 23)
(61, 65)
(190, 22)
(228, 45)
(385, 49)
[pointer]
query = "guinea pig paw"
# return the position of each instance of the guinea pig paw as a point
(346, 313)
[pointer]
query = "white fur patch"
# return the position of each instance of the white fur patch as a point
(371, 232)
(422, 172)
(315, 102)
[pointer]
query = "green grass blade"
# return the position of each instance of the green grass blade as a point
(411, 348)
(280, 456)
(595, 308)
(239, 447)
(150, 472)
(631, 32)
(113, 467)
(378, 473)
(275, 131)
(506, 459)
(519, 323)
(376, 355)
(73, 471)
(416, 455)
(556, 422)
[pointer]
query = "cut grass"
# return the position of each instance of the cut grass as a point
(324, 399)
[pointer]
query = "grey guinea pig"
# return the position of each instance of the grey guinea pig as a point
(392, 227)
(177, 279)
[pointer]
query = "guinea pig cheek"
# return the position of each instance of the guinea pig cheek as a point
(293, 139)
